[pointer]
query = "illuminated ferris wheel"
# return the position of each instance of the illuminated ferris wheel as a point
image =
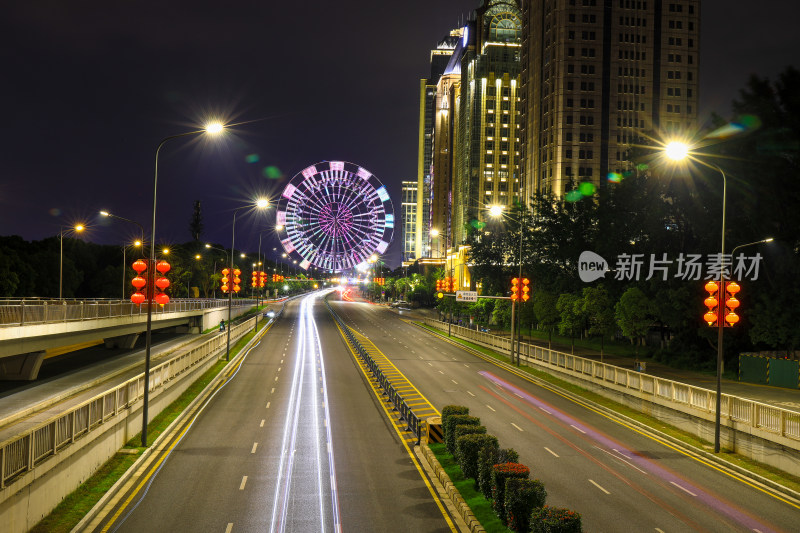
(335, 215)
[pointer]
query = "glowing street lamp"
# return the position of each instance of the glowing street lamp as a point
(497, 211)
(214, 128)
(77, 228)
(260, 204)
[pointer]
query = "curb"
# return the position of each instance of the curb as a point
(450, 489)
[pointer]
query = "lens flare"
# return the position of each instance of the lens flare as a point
(573, 196)
(614, 177)
(272, 172)
(251, 158)
(586, 188)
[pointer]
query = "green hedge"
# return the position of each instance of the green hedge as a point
(449, 410)
(500, 473)
(449, 429)
(487, 458)
(522, 496)
(468, 447)
(555, 520)
(462, 430)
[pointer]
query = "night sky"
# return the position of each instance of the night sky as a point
(90, 88)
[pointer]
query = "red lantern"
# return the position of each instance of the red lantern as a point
(237, 280)
(162, 299)
(224, 279)
(138, 282)
(236, 288)
(139, 266)
(225, 271)
(162, 283)
(732, 287)
(731, 318)
(236, 271)
(710, 317)
(711, 287)
(163, 267)
(710, 302)
(224, 288)
(137, 298)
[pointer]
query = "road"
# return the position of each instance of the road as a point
(618, 477)
(294, 441)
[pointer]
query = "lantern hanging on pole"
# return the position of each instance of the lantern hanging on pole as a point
(711, 302)
(139, 266)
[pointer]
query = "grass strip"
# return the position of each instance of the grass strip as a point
(769, 472)
(480, 506)
(74, 507)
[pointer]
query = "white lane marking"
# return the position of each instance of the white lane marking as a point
(268, 403)
(516, 426)
(662, 531)
(579, 429)
(598, 486)
(281, 361)
(261, 425)
(430, 364)
(492, 408)
(454, 381)
(244, 480)
(279, 369)
(684, 489)
(441, 372)
(468, 392)
(518, 395)
(276, 378)
(255, 445)
(229, 527)
(466, 365)
(545, 410)
(551, 451)
(272, 391)
(623, 460)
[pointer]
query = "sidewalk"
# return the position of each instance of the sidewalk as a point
(777, 396)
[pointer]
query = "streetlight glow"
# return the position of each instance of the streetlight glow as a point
(496, 210)
(214, 127)
(261, 203)
(677, 151)
(434, 232)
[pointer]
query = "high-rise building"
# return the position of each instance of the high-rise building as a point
(440, 56)
(486, 166)
(408, 217)
(599, 76)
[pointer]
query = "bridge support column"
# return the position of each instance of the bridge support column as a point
(24, 366)
(125, 342)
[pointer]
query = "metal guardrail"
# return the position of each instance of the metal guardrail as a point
(413, 422)
(757, 415)
(39, 311)
(23, 452)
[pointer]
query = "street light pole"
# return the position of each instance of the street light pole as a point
(211, 128)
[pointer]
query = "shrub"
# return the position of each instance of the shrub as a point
(487, 458)
(500, 473)
(449, 429)
(522, 496)
(449, 410)
(555, 520)
(465, 429)
(468, 447)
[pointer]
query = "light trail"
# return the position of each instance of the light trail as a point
(303, 440)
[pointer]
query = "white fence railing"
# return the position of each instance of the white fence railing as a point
(754, 414)
(22, 452)
(35, 311)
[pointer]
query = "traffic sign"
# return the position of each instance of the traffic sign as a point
(466, 296)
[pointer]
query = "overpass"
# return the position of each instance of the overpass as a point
(29, 327)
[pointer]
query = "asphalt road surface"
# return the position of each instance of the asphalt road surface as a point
(295, 441)
(618, 477)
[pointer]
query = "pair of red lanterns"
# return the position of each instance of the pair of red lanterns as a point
(259, 278)
(236, 280)
(728, 292)
(140, 283)
(516, 293)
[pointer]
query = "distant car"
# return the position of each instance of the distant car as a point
(400, 303)
(269, 314)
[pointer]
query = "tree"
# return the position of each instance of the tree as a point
(569, 309)
(544, 305)
(599, 313)
(633, 315)
(196, 224)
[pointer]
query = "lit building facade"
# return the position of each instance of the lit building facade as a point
(440, 56)
(599, 77)
(486, 158)
(408, 214)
